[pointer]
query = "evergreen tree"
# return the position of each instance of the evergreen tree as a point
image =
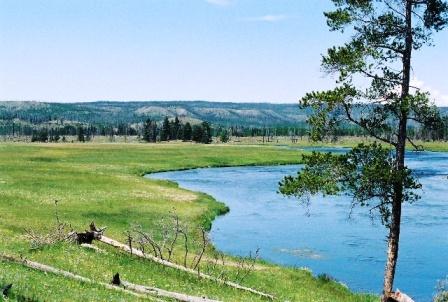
(224, 136)
(147, 128)
(40, 135)
(154, 132)
(385, 33)
(56, 136)
(197, 133)
(51, 135)
(206, 133)
(80, 133)
(166, 130)
(88, 135)
(175, 129)
(187, 132)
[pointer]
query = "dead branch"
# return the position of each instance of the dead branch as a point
(140, 254)
(218, 268)
(184, 233)
(130, 241)
(176, 235)
(246, 265)
(60, 232)
(146, 238)
(198, 258)
(157, 291)
(170, 236)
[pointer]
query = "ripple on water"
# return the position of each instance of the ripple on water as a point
(306, 253)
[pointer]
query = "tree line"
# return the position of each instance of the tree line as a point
(148, 131)
(176, 130)
(152, 131)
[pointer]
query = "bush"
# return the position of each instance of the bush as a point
(442, 291)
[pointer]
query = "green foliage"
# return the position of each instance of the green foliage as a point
(197, 133)
(442, 291)
(202, 133)
(187, 132)
(436, 14)
(224, 136)
(40, 135)
(441, 297)
(147, 130)
(366, 172)
(325, 278)
(166, 130)
(150, 131)
(176, 129)
(80, 133)
(206, 137)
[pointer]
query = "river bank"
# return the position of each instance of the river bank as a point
(102, 182)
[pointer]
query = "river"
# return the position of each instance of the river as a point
(322, 237)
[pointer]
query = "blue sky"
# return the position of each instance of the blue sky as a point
(218, 50)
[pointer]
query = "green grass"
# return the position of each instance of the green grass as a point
(344, 141)
(439, 146)
(104, 183)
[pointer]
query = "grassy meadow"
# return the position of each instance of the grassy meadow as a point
(104, 183)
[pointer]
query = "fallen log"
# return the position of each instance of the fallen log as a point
(157, 291)
(50, 269)
(87, 237)
(93, 248)
(140, 254)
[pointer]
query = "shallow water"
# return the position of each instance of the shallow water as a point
(323, 237)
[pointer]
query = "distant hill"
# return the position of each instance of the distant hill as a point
(107, 112)
(219, 113)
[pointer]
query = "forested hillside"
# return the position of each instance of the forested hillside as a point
(225, 114)
(165, 120)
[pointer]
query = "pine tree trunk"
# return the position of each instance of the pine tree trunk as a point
(394, 227)
(393, 244)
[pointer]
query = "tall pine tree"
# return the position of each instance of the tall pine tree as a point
(187, 132)
(147, 128)
(384, 35)
(206, 133)
(166, 130)
(197, 133)
(175, 129)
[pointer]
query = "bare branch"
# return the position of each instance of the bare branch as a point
(353, 120)
(416, 147)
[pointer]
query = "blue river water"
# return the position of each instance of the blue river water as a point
(323, 237)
